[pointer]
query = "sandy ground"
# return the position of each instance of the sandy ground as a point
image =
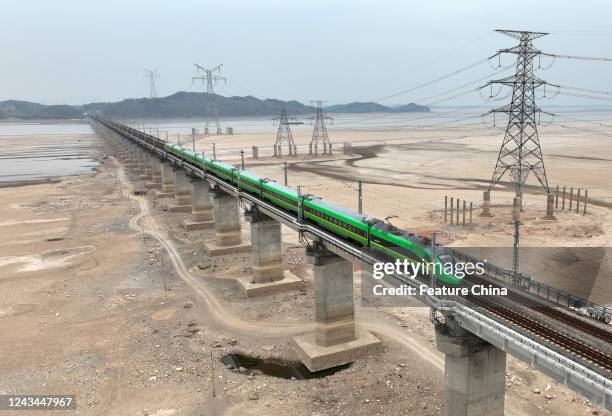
(106, 297)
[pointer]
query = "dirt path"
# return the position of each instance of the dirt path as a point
(146, 222)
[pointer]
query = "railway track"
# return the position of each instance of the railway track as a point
(566, 318)
(598, 358)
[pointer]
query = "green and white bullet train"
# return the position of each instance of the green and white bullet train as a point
(358, 228)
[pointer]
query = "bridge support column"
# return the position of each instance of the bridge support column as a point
(474, 372)
(228, 235)
(147, 171)
(132, 160)
(156, 181)
(336, 340)
(127, 158)
(140, 163)
(201, 206)
(267, 272)
(167, 181)
(182, 194)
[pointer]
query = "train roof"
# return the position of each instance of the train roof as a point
(282, 188)
(341, 210)
(250, 175)
(223, 164)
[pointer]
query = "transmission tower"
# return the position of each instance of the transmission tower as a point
(319, 134)
(283, 135)
(520, 152)
(152, 75)
(210, 77)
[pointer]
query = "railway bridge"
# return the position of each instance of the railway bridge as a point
(534, 323)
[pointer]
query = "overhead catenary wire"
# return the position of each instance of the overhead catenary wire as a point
(583, 58)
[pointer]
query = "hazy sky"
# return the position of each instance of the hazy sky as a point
(76, 51)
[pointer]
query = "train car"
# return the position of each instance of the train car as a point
(352, 226)
(342, 221)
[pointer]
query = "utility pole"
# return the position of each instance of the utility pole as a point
(319, 134)
(283, 135)
(214, 152)
(241, 159)
(152, 75)
(285, 173)
(516, 219)
(300, 211)
(360, 190)
(520, 152)
(432, 275)
(210, 77)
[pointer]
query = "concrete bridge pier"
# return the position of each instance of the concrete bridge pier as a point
(130, 159)
(124, 155)
(267, 271)
(135, 161)
(156, 181)
(118, 147)
(146, 167)
(474, 372)
(140, 162)
(182, 192)
(336, 339)
(228, 234)
(201, 206)
(167, 181)
(122, 152)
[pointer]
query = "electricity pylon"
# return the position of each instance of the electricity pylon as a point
(210, 77)
(283, 135)
(520, 152)
(319, 134)
(152, 75)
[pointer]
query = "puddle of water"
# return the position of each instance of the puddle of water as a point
(277, 368)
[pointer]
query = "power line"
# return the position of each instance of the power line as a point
(590, 97)
(583, 58)
(583, 89)
(467, 84)
(402, 92)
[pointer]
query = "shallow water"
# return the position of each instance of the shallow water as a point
(33, 152)
(28, 129)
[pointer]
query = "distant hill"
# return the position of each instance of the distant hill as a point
(357, 107)
(193, 104)
(184, 105)
(27, 110)
(411, 108)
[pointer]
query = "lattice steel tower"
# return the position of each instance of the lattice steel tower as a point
(520, 152)
(283, 135)
(319, 134)
(210, 77)
(152, 75)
